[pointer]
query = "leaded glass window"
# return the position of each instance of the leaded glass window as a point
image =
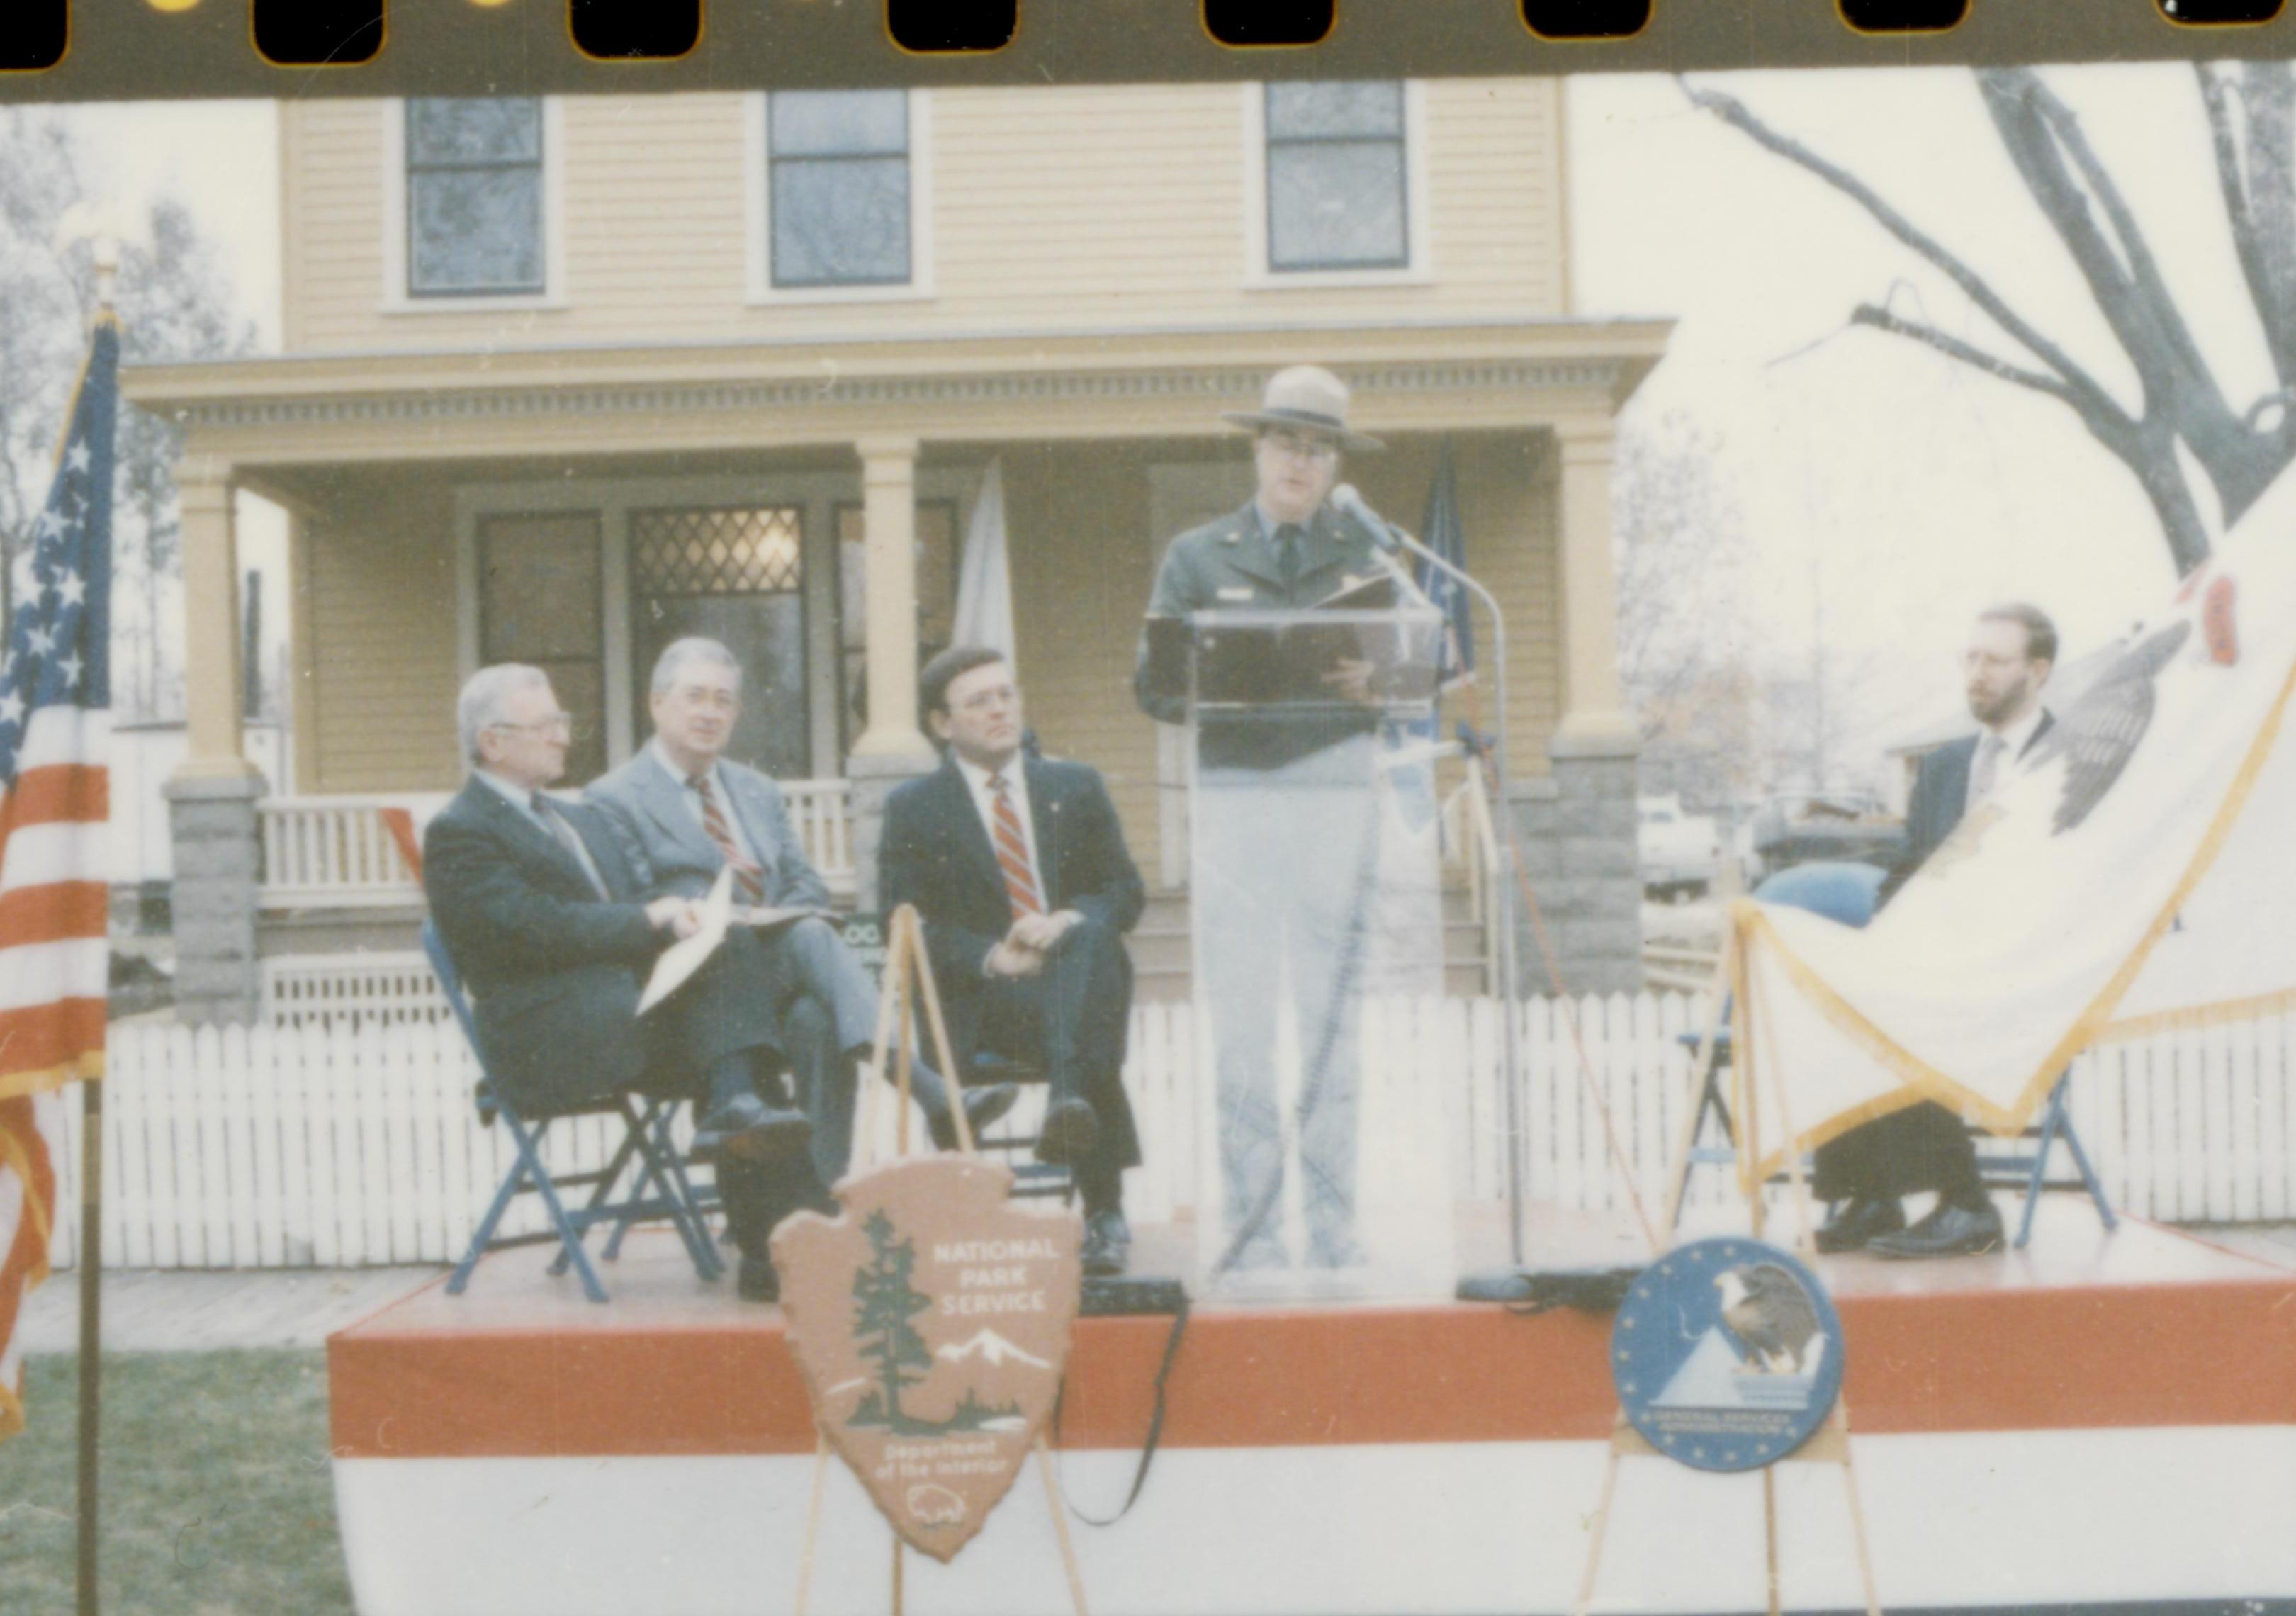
(474, 196)
(737, 576)
(1336, 177)
(839, 177)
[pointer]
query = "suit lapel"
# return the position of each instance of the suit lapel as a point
(1954, 801)
(957, 807)
(527, 839)
(1322, 551)
(1249, 550)
(665, 801)
(1044, 820)
(745, 787)
(2040, 729)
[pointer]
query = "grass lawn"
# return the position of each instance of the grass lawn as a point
(217, 1496)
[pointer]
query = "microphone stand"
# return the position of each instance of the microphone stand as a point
(1510, 1018)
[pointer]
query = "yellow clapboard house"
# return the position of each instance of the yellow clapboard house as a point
(564, 377)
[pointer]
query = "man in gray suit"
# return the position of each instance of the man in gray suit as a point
(682, 812)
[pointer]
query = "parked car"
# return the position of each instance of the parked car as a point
(1678, 850)
(1808, 827)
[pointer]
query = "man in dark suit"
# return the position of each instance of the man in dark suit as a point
(681, 812)
(540, 913)
(1019, 867)
(1925, 1146)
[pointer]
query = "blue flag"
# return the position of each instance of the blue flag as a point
(1441, 532)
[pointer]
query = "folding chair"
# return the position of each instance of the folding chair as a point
(2024, 1164)
(2025, 1168)
(660, 1189)
(1031, 1178)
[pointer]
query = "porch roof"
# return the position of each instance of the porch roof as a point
(314, 409)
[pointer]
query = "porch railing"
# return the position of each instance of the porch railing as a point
(338, 852)
(1471, 845)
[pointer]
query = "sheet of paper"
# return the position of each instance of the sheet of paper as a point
(684, 957)
(774, 920)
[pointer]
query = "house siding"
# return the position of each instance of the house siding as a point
(380, 603)
(1052, 208)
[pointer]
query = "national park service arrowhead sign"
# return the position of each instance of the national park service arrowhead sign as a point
(932, 1323)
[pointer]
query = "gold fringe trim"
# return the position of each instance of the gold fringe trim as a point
(1925, 1082)
(84, 1067)
(2198, 1015)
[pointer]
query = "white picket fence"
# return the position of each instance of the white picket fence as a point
(344, 1139)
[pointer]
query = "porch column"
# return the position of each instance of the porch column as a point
(891, 749)
(1591, 704)
(1578, 840)
(212, 794)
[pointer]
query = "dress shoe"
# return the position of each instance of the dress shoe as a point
(1950, 1231)
(1068, 1133)
(758, 1282)
(1861, 1218)
(982, 1106)
(1107, 1244)
(747, 1127)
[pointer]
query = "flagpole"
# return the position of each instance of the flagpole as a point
(91, 1203)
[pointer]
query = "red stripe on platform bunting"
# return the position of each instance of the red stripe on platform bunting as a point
(2066, 1358)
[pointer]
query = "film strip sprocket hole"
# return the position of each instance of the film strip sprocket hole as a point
(36, 35)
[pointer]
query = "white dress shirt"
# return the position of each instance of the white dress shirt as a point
(984, 803)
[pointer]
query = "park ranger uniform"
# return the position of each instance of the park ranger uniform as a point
(1285, 857)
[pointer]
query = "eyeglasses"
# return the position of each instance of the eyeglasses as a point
(1295, 447)
(562, 722)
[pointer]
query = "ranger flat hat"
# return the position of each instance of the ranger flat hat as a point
(1307, 397)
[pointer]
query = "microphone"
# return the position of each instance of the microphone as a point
(1345, 498)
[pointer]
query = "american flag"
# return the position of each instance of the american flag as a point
(55, 720)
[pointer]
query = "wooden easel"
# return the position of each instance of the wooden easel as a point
(1830, 1443)
(907, 965)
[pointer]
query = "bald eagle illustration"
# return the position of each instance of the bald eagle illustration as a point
(2096, 736)
(1766, 1307)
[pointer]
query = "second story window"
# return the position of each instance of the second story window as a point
(837, 174)
(1337, 178)
(474, 197)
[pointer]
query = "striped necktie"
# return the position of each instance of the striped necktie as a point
(1012, 851)
(749, 880)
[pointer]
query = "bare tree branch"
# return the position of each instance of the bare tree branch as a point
(1880, 319)
(1979, 290)
(2043, 137)
(2247, 234)
(2046, 145)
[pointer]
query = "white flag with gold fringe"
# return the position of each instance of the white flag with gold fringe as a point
(2134, 871)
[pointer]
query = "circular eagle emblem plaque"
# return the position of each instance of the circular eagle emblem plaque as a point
(1727, 1354)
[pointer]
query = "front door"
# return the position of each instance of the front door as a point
(733, 575)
